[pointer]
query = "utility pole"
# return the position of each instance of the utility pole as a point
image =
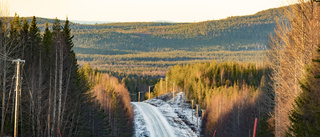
(202, 112)
(149, 92)
(166, 84)
(192, 110)
(161, 86)
(139, 97)
(181, 102)
(185, 88)
(197, 114)
(173, 91)
(16, 114)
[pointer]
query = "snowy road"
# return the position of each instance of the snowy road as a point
(162, 117)
(155, 122)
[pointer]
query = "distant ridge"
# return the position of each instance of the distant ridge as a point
(106, 22)
(238, 33)
(163, 21)
(91, 22)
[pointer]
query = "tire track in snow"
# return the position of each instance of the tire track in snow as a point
(156, 123)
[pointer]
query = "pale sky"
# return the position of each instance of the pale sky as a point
(140, 10)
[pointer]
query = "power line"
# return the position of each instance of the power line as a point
(5, 58)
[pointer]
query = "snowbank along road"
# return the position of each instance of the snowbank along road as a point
(156, 123)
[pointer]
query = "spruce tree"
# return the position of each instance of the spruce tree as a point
(305, 116)
(56, 25)
(67, 34)
(15, 25)
(47, 40)
(35, 39)
(24, 36)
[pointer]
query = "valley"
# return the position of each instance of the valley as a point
(250, 75)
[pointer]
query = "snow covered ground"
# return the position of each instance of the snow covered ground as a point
(181, 123)
(156, 124)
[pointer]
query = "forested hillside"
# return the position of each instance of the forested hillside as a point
(233, 33)
(150, 48)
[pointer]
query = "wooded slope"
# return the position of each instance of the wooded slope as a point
(233, 33)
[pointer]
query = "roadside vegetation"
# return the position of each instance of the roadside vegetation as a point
(282, 93)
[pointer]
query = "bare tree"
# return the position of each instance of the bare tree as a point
(292, 48)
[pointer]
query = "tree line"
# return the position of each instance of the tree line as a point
(113, 98)
(157, 63)
(232, 94)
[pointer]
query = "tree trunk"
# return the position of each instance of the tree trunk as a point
(55, 94)
(3, 94)
(49, 109)
(32, 103)
(39, 97)
(60, 86)
(65, 96)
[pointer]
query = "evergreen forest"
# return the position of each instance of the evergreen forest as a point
(56, 96)
(79, 79)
